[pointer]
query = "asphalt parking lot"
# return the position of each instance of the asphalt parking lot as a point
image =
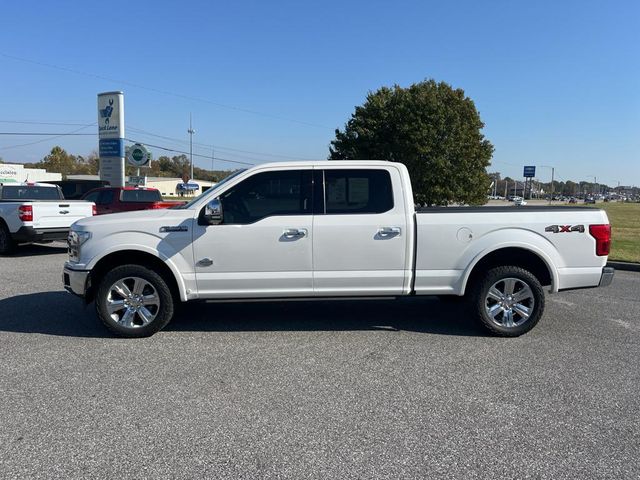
(334, 389)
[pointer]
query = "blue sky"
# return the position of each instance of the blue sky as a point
(556, 83)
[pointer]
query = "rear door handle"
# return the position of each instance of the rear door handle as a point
(389, 231)
(294, 233)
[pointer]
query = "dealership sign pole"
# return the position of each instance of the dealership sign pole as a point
(111, 137)
(529, 173)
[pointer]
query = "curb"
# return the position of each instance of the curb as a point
(629, 267)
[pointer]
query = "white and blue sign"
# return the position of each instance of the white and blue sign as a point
(188, 186)
(111, 147)
(529, 171)
(111, 137)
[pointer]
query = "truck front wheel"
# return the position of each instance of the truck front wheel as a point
(134, 301)
(508, 301)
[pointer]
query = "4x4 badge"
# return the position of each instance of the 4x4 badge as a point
(564, 228)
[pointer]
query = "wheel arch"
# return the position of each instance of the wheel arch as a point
(163, 267)
(529, 258)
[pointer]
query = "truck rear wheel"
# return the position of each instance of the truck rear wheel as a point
(508, 301)
(134, 301)
(6, 242)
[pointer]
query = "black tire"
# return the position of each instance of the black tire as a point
(123, 322)
(7, 245)
(511, 315)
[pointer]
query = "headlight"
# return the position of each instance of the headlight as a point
(75, 241)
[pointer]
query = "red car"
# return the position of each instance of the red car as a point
(126, 199)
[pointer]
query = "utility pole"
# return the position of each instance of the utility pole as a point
(191, 131)
(553, 171)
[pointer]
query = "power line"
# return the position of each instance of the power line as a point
(221, 147)
(40, 134)
(135, 130)
(208, 157)
(163, 92)
(48, 138)
(48, 123)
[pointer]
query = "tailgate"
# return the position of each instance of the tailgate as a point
(59, 213)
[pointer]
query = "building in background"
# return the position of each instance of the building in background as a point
(15, 173)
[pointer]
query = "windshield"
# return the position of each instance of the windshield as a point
(221, 182)
(30, 192)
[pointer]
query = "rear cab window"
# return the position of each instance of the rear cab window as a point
(30, 192)
(140, 196)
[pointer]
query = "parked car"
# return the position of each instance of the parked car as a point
(519, 202)
(332, 229)
(590, 200)
(127, 199)
(573, 200)
(36, 213)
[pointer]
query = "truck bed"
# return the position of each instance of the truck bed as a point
(448, 242)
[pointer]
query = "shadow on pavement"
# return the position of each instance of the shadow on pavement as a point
(34, 250)
(59, 313)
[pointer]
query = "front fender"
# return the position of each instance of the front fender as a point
(177, 255)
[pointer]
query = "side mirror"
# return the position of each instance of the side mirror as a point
(213, 212)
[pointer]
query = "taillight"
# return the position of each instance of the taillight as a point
(94, 210)
(25, 213)
(602, 234)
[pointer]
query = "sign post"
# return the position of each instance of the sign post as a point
(111, 137)
(138, 156)
(528, 174)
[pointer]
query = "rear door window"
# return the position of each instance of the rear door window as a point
(357, 191)
(105, 198)
(92, 197)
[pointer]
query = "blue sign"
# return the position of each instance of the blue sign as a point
(111, 147)
(529, 172)
(188, 186)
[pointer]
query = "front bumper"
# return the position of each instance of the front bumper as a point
(75, 281)
(607, 276)
(31, 234)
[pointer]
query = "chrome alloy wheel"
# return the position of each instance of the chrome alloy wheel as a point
(509, 302)
(133, 302)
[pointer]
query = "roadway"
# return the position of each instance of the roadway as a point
(334, 389)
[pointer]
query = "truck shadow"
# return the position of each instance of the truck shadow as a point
(34, 250)
(59, 313)
(415, 314)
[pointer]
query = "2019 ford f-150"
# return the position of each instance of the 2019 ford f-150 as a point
(331, 229)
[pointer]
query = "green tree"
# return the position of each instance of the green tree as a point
(433, 129)
(58, 160)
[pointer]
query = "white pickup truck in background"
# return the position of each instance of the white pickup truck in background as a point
(330, 229)
(37, 213)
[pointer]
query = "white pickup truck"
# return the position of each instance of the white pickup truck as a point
(36, 212)
(330, 229)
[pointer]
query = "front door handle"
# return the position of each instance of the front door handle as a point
(294, 233)
(389, 231)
